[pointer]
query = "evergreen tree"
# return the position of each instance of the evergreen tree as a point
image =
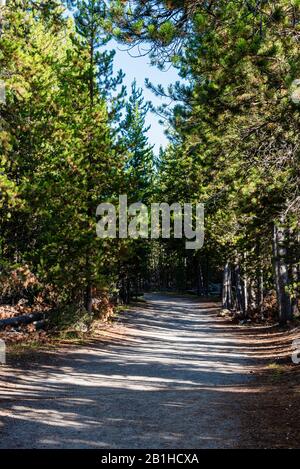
(59, 154)
(91, 19)
(140, 158)
(235, 130)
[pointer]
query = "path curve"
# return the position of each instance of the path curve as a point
(180, 379)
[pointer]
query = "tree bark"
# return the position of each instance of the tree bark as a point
(281, 273)
(25, 319)
(294, 269)
(91, 86)
(245, 294)
(227, 287)
(259, 280)
(260, 290)
(200, 284)
(89, 298)
(239, 290)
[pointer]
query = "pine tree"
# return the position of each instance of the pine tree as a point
(235, 130)
(97, 152)
(59, 154)
(91, 20)
(140, 158)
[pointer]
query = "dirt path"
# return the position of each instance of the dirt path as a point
(181, 379)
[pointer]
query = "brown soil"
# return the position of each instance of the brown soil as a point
(170, 375)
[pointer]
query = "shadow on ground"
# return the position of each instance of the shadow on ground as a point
(181, 379)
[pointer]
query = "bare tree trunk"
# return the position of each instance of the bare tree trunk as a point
(260, 291)
(239, 289)
(251, 294)
(294, 270)
(245, 287)
(125, 291)
(2, 5)
(259, 280)
(227, 287)
(281, 273)
(295, 279)
(200, 283)
(206, 280)
(88, 298)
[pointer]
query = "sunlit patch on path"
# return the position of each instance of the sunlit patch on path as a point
(178, 381)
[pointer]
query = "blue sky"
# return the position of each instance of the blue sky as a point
(139, 68)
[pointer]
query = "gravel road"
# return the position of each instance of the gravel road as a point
(179, 379)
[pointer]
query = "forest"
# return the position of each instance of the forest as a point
(73, 136)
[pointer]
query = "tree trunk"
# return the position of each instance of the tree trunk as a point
(294, 269)
(2, 4)
(281, 273)
(89, 299)
(260, 291)
(295, 280)
(200, 283)
(25, 319)
(227, 287)
(245, 286)
(239, 290)
(89, 188)
(259, 280)
(206, 279)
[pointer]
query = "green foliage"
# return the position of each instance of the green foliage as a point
(61, 148)
(69, 140)
(167, 32)
(139, 167)
(234, 132)
(70, 320)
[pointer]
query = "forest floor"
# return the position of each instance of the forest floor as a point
(169, 374)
